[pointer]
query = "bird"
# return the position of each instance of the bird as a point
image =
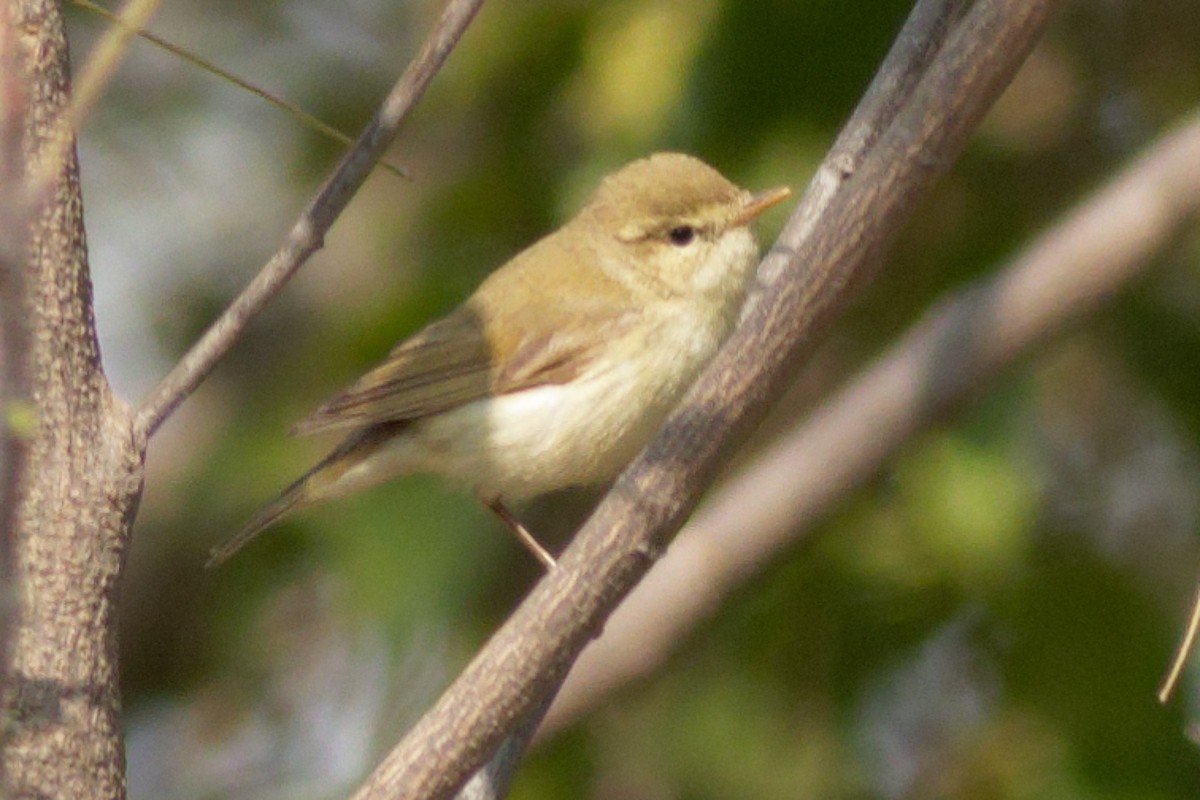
(565, 360)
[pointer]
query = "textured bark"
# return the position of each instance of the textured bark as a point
(79, 486)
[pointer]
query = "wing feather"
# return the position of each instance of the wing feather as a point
(451, 363)
(509, 336)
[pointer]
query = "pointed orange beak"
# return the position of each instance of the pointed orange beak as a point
(760, 202)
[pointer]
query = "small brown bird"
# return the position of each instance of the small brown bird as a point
(565, 360)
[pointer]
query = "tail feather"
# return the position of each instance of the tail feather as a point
(320, 482)
(291, 498)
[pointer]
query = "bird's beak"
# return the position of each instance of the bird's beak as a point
(760, 202)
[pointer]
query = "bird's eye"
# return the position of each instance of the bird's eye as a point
(681, 235)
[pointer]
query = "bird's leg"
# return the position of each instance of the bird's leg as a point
(520, 531)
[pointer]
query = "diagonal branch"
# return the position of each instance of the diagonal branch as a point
(308, 232)
(916, 44)
(915, 47)
(804, 283)
(950, 355)
(491, 782)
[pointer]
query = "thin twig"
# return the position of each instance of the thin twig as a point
(1182, 651)
(308, 232)
(86, 91)
(528, 657)
(1103, 244)
(312, 121)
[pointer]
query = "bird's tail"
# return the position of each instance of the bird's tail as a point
(288, 500)
(321, 482)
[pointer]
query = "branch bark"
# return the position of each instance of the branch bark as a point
(804, 281)
(15, 401)
(916, 45)
(949, 356)
(79, 486)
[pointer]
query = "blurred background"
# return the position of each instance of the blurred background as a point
(988, 618)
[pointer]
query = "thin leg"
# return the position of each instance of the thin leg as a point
(523, 535)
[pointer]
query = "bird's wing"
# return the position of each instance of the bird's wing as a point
(444, 365)
(451, 362)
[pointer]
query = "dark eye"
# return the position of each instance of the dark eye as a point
(681, 235)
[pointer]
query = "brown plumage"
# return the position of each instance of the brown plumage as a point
(563, 362)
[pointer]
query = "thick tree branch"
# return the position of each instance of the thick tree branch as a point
(308, 232)
(915, 46)
(491, 782)
(949, 356)
(80, 481)
(804, 282)
(15, 402)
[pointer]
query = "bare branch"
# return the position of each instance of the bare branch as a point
(917, 43)
(311, 120)
(14, 333)
(81, 478)
(308, 232)
(920, 39)
(804, 283)
(492, 781)
(89, 87)
(950, 355)
(1182, 651)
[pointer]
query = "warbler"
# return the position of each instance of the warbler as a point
(565, 360)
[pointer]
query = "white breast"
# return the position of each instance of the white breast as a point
(551, 437)
(583, 432)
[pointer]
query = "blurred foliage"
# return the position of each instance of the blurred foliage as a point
(988, 619)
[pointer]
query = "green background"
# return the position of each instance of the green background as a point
(988, 618)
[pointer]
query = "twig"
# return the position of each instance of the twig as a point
(85, 92)
(308, 232)
(200, 62)
(953, 352)
(805, 283)
(1182, 651)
